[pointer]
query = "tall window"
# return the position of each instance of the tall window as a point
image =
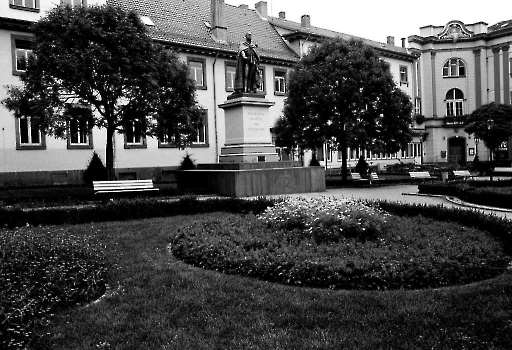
(21, 50)
(404, 78)
(134, 137)
(454, 103)
(29, 134)
(79, 133)
(279, 81)
(30, 5)
(196, 67)
(454, 67)
(230, 76)
(200, 135)
(262, 87)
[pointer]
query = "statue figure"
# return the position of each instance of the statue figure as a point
(247, 78)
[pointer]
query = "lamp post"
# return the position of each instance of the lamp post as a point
(477, 141)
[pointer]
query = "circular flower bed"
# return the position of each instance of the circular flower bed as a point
(341, 244)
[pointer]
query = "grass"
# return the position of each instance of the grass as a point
(161, 303)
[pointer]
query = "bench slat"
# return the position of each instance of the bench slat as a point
(123, 186)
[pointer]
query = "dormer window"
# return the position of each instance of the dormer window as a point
(454, 67)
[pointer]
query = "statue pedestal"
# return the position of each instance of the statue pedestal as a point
(248, 164)
(247, 125)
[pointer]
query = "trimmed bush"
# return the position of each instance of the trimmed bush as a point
(96, 170)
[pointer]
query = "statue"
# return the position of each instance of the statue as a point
(247, 75)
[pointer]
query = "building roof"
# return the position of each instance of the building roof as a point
(503, 25)
(187, 22)
(296, 29)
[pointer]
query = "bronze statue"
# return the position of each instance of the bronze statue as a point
(247, 78)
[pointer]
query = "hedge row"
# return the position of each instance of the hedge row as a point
(491, 193)
(127, 209)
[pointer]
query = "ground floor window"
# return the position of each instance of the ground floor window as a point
(29, 134)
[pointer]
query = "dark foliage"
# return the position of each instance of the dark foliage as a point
(96, 170)
(127, 209)
(362, 167)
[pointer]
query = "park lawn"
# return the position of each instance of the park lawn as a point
(160, 302)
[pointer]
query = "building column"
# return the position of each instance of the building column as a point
(478, 77)
(497, 85)
(506, 75)
(434, 95)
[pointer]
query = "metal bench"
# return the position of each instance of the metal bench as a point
(423, 175)
(123, 186)
(356, 177)
(374, 178)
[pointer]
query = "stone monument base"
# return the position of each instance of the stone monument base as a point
(258, 178)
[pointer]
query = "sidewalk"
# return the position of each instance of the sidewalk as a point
(400, 193)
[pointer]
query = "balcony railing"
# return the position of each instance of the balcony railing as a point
(458, 120)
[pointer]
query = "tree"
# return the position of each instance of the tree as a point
(492, 123)
(99, 64)
(343, 93)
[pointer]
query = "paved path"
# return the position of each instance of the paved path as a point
(400, 193)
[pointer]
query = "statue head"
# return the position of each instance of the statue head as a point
(248, 36)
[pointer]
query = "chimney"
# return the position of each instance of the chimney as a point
(403, 42)
(219, 29)
(391, 40)
(261, 7)
(243, 6)
(282, 15)
(305, 21)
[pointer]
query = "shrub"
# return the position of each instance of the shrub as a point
(96, 170)
(288, 245)
(187, 163)
(43, 272)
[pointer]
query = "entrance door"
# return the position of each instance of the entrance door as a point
(457, 151)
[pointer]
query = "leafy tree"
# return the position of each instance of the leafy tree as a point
(342, 92)
(492, 123)
(102, 58)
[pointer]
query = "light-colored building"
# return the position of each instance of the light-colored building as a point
(206, 35)
(461, 67)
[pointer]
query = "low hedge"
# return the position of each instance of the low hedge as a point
(126, 209)
(346, 245)
(490, 193)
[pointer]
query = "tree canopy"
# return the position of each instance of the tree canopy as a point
(342, 92)
(103, 59)
(492, 123)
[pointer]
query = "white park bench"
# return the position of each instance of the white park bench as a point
(101, 187)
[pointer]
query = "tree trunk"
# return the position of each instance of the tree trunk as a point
(343, 145)
(110, 154)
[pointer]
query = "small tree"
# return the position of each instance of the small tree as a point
(95, 171)
(492, 123)
(362, 167)
(103, 58)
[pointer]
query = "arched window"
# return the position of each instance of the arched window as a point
(454, 103)
(454, 67)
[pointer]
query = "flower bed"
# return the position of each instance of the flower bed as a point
(341, 245)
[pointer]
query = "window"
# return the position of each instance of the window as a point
(230, 76)
(454, 67)
(28, 5)
(29, 134)
(404, 80)
(134, 137)
(279, 82)
(263, 85)
(168, 137)
(74, 2)
(196, 67)
(21, 50)
(454, 103)
(79, 134)
(417, 105)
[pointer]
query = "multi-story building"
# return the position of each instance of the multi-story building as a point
(461, 67)
(206, 35)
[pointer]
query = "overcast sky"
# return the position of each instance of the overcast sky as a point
(376, 19)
